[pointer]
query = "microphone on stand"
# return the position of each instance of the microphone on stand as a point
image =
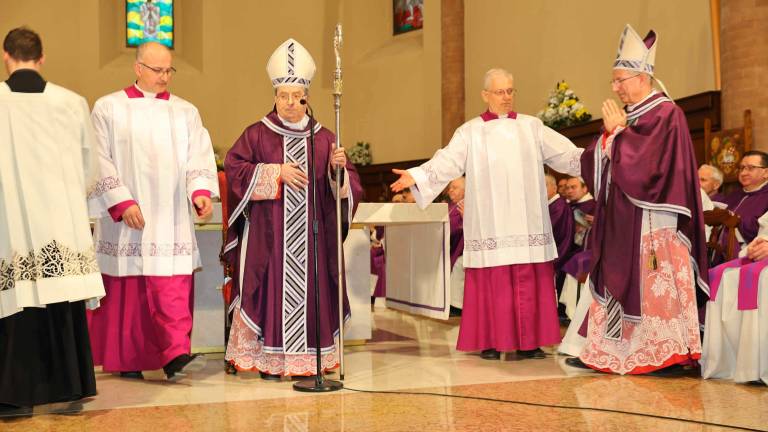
(319, 384)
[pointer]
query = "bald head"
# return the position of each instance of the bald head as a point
(151, 49)
(456, 189)
(153, 67)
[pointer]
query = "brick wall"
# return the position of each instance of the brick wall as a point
(452, 23)
(744, 65)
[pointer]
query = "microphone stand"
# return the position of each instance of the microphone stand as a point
(319, 384)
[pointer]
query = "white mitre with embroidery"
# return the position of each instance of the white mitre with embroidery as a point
(638, 54)
(291, 64)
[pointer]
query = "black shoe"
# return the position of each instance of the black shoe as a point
(269, 377)
(182, 364)
(15, 411)
(531, 354)
(454, 312)
(490, 354)
(577, 363)
(229, 368)
(760, 383)
(676, 371)
(132, 375)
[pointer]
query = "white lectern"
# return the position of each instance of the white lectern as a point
(417, 255)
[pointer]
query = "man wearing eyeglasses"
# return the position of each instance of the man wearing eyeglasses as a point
(158, 171)
(647, 239)
(269, 242)
(509, 292)
(751, 201)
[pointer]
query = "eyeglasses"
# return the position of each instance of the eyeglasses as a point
(502, 92)
(615, 82)
(160, 71)
(749, 168)
(284, 97)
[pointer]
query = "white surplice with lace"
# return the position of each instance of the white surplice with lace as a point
(506, 214)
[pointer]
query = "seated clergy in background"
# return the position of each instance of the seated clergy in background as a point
(710, 179)
(576, 267)
(751, 201)
(562, 187)
(455, 193)
(509, 293)
(407, 197)
(583, 205)
(378, 263)
(563, 230)
(563, 224)
(736, 332)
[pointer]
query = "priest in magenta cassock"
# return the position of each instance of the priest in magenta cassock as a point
(647, 240)
(158, 170)
(269, 241)
(48, 269)
(509, 292)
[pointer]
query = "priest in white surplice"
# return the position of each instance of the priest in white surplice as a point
(158, 168)
(47, 263)
(509, 293)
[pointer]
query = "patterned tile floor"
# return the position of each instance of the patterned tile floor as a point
(413, 354)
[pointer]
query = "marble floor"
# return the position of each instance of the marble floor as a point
(410, 354)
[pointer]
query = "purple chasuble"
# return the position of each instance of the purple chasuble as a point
(457, 232)
(264, 295)
(379, 265)
(717, 197)
(563, 228)
(653, 167)
(749, 206)
(586, 207)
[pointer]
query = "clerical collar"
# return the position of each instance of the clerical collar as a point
(554, 198)
(634, 106)
(488, 116)
(135, 92)
(26, 81)
(762, 185)
(299, 125)
(587, 196)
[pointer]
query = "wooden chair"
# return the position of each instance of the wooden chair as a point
(725, 148)
(719, 219)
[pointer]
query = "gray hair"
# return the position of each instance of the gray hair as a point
(550, 179)
(717, 175)
(493, 73)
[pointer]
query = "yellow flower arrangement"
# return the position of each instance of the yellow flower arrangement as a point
(563, 108)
